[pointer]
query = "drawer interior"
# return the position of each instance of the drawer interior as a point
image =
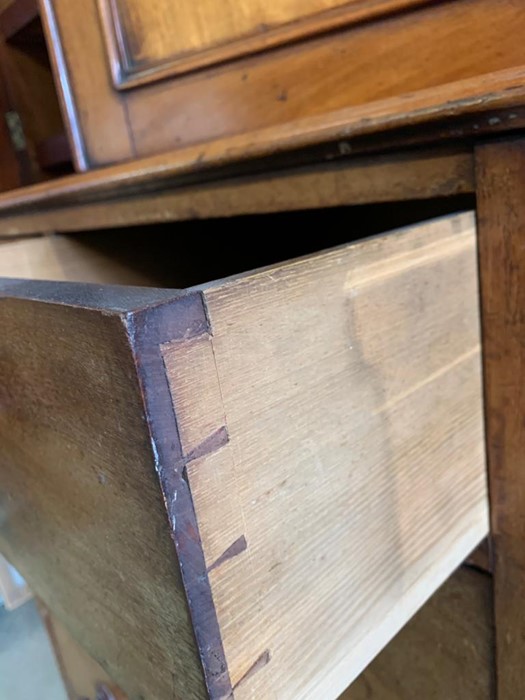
(187, 253)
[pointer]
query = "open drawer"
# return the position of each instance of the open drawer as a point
(245, 489)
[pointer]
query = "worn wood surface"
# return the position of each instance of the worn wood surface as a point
(327, 404)
(443, 59)
(81, 513)
(500, 172)
(128, 195)
(444, 653)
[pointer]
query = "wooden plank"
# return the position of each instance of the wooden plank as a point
(500, 173)
(354, 470)
(444, 653)
(412, 66)
(128, 195)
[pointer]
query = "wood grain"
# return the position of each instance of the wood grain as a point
(444, 653)
(81, 512)
(382, 66)
(500, 173)
(150, 194)
(143, 46)
(442, 60)
(353, 480)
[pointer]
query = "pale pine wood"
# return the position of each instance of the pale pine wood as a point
(353, 480)
(63, 258)
(446, 652)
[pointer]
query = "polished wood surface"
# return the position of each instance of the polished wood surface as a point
(446, 652)
(99, 135)
(159, 39)
(500, 172)
(151, 193)
(440, 60)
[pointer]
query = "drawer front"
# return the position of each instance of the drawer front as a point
(309, 435)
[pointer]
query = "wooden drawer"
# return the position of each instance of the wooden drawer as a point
(247, 488)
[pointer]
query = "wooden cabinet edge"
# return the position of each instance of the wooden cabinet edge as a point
(149, 329)
(429, 173)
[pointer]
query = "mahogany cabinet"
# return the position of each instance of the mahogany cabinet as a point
(138, 78)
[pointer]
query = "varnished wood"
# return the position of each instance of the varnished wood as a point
(439, 61)
(100, 135)
(500, 172)
(444, 653)
(150, 192)
(135, 420)
(144, 47)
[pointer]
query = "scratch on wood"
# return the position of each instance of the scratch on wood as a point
(261, 662)
(233, 550)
